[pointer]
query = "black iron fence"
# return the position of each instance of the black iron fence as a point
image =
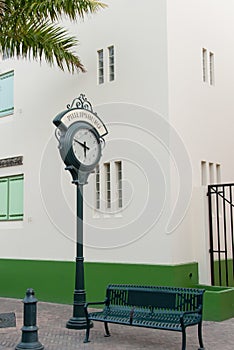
(221, 227)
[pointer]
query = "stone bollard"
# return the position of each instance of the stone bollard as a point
(29, 330)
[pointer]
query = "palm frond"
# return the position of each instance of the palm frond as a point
(55, 9)
(2, 8)
(72, 9)
(44, 40)
(28, 30)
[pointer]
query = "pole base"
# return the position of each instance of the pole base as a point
(31, 346)
(78, 323)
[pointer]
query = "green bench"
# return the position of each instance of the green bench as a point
(168, 308)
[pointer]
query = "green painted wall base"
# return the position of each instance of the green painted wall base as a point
(54, 281)
(218, 303)
(221, 267)
(99, 275)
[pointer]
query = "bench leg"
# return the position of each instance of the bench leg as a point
(200, 336)
(106, 329)
(183, 339)
(87, 333)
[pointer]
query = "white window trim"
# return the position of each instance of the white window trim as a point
(111, 64)
(108, 196)
(208, 61)
(100, 68)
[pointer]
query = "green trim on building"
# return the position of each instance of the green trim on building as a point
(54, 281)
(99, 275)
(218, 303)
(223, 273)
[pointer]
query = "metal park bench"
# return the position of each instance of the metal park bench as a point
(168, 308)
(7, 320)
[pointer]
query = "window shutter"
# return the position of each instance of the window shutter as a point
(3, 199)
(16, 198)
(6, 94)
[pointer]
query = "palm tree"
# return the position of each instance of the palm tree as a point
(29, 29)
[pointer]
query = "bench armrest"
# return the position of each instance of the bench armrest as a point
(96, 303)
(93, 303)
(198, 311)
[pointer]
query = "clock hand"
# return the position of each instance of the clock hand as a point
(82, 144)
(85, 149)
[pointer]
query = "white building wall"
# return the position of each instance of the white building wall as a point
(139, 36)
(201, 113)
(48, 229)
(128, 105)
(38, 92)
(163, 120)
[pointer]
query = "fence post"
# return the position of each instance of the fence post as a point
(30, 330)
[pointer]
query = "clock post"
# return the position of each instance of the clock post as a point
(80, 135)
(78, 321)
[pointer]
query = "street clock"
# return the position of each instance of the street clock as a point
(80, 134)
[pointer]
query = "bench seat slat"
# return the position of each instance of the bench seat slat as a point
(153, 320)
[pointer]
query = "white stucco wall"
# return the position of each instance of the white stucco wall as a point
(48, 229)
(201, 113)
(162, 121)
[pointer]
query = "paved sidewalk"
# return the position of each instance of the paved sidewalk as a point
(54, 336)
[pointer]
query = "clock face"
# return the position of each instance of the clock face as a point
(86, 146)
(80, 147)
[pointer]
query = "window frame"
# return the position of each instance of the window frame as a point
(119, 183)
(10, 206)
(9, 110)
(211, 68)
(204, 65)
(97, 188)
(108, 194)
(111, 66)
(100, 54)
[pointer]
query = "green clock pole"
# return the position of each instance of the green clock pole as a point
(79, 128)
(78, 321)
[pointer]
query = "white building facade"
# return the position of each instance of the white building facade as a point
(160, 78)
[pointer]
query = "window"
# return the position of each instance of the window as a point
(100, 67)
(106, 64)
(118, 166)
(204, 65)
(6, 94)
(107, 185)
(207, 66)
(218, 173)
(11, 198)
(97, 172)
(203, 173)
(211, 60)
(111, 63)
(210, 173)
(109, 188)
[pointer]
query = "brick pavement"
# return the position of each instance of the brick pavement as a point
(54, 336)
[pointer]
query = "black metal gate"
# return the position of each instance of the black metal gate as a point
(221, 227)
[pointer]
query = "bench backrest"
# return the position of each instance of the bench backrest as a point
(154, 297)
